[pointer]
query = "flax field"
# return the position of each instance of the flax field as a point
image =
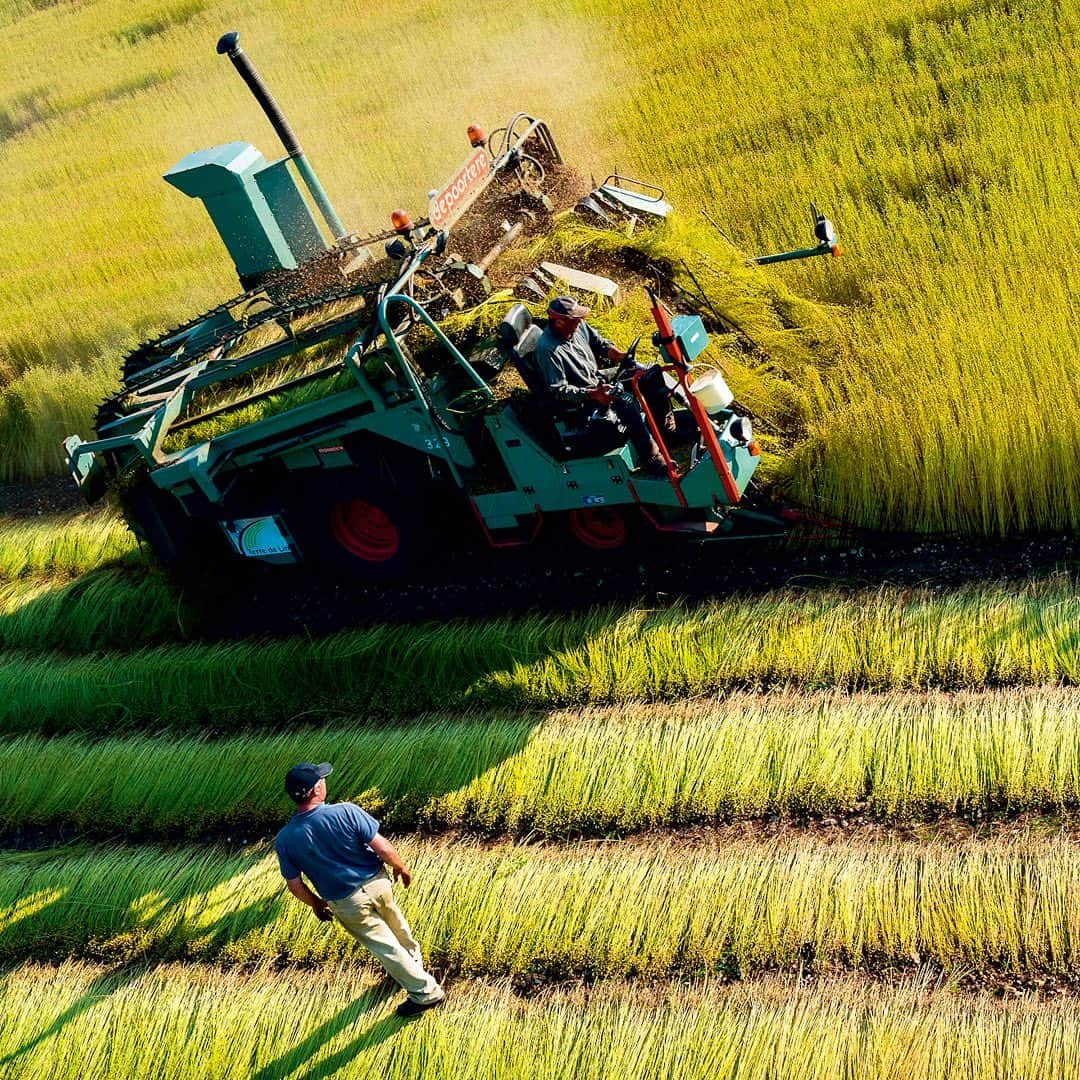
(782, 834)
(940, 135)
(823, 829)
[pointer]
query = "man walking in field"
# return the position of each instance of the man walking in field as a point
(340, 850)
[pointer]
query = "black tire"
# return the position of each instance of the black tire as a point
(179, 543)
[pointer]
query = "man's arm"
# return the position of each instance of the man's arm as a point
(388, 853)
(291, 873)
(317, 904)
(602, 349)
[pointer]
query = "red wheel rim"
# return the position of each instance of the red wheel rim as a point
(602, 529)
(364, 530)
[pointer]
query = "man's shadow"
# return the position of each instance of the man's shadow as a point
(292, 1060)
(117, 978)
(138, 917)
(100, 988)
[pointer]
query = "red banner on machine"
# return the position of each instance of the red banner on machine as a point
(454, 199)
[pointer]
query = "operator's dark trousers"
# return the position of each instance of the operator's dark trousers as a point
(625, 406)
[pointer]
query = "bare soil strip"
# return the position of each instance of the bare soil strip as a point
(828, 831)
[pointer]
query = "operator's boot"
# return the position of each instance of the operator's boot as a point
(648, 453)
(653, 467)
(679, 427)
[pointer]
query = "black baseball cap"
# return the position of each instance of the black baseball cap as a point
(300, 779)
(567, 306)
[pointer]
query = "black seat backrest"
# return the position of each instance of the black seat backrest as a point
(518, 336)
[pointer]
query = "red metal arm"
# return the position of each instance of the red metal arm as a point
(671, 346)
(658, 438)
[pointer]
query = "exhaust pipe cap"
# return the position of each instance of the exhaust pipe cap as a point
(229, 43)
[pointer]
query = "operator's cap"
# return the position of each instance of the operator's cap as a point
(300, 779)
(568, 307)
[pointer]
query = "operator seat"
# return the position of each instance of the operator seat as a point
(518, 336)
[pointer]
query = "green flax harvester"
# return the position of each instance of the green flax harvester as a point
(294, 423)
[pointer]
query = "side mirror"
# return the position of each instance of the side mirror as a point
(824, 233)
(824, 230)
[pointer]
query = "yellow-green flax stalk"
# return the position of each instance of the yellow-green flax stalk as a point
(887, 638)
(601, 771)
(200, 1024)
(606, 909)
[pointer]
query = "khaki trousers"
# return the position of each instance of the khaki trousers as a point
(372, 917)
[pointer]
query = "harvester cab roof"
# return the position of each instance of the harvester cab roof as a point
(326, 416)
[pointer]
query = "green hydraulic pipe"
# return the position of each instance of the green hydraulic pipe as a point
(787, 256)
(418, 309)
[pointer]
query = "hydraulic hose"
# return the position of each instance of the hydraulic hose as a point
(229, 45)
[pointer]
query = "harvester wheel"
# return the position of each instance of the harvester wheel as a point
(369, 534)
(600, 528)
(365, 530)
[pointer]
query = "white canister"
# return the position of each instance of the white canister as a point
(712, 391)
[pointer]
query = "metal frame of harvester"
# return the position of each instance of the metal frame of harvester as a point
(405, 454)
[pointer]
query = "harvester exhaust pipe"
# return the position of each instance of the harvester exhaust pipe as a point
(229, 45)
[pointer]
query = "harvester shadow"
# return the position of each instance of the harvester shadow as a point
(548, 580)
(164, 899)
(378, 1032)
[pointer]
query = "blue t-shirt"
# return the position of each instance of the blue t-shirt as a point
(329, 843)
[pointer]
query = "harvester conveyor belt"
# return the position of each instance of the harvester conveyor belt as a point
(133, 367)
(154, 373)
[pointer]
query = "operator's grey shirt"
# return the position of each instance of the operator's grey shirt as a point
(569, 367)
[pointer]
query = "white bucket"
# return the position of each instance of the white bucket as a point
(711, 390)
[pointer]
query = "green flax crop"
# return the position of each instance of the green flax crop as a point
(62, 546)
(121, 605)
(996, 634)
(606, 909)
(601, 771)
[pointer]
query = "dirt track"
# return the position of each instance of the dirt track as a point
(54, 495)
(556, 579)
